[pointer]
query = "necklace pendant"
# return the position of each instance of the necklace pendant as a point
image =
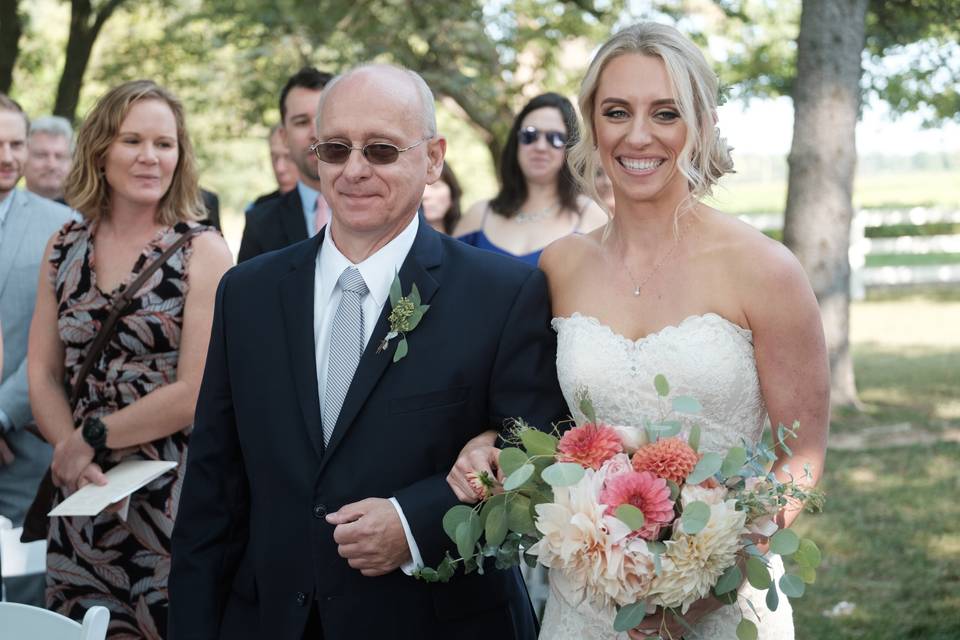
(636, 291)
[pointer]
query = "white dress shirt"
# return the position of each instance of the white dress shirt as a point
(378, 272)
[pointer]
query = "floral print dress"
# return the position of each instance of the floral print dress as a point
(103, 560)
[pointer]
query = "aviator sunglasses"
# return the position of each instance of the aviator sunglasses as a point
(375, 152)
(529, 135)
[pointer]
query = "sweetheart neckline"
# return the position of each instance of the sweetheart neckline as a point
(670, 328)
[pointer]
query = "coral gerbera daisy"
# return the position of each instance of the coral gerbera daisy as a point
(644, 491)
(670, 458)
(589, 445)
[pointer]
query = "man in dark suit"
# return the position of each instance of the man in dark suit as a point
(293, 216)
(317, 466)
(284, 171)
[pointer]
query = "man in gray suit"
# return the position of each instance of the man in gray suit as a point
(26, 223)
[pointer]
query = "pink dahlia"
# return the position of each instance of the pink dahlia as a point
(670, 458)
(646, 492)
(589, 445)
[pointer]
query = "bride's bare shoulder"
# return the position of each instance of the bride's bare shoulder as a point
(568, 253)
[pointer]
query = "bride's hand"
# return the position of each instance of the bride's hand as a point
(663, 623)
(478, 456)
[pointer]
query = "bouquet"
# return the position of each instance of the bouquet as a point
(636, 518)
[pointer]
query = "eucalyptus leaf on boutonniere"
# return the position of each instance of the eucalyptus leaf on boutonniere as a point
(406, 312)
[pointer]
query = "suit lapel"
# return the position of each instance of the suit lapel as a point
(296, 299)
(14, 227)
(424, 257)
(294, 224)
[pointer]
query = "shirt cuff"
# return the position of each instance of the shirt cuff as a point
(6, 424)
(416, 561)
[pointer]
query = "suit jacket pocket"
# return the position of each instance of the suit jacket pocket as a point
(431, 400)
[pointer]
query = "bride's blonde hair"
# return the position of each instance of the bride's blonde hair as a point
(705, 156)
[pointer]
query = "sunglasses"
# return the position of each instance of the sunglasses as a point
(375, 152)
(529, 135)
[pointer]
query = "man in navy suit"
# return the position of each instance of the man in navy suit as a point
(292, 216)
(314, 487)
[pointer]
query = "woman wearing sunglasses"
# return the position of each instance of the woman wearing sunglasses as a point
(539, 200)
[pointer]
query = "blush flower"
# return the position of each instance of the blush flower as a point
(670, 459)
(644, 491)
(589, 445)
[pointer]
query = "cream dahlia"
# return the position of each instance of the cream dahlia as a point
(644, 491)
(670, 458)
(589, 445)
(692, 564)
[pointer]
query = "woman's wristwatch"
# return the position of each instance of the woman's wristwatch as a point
(94, 433)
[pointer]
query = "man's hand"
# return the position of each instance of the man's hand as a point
(6, 453)
(370, 536)
(478, 456)
(70, 457)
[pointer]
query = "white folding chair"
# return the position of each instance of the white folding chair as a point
(19, 558)
(23, 622)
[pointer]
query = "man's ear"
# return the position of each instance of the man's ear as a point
(436, 151)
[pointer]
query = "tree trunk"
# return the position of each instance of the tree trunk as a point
(11, 27)
(85, 26)
(822, 160)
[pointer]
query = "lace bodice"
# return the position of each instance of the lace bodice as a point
(705, 356)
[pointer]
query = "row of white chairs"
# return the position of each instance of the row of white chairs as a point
(25, 622)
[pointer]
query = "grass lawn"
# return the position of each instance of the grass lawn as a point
(911, 259)
(890, 531)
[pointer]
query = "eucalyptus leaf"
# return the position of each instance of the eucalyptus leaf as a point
(496, 525)
(630, 516)
(395, 292)
(629, 616)
(784, 542)
(519, 518)
(808, 574)
(415, 295)
(808, 554)
(415, 318)
(729, 581)
(709, 464)
(661, 385)
(791, 585)
(511, 459)
(746, 630)
(695, 517)
(454, 517)
(757, 573)
(694, 438)
(465, 539)
(430, 575)
(656, 547)
(446, 569)
(586, 408)
(736, 458)
(518, 477)
(401, 351)
(562, 474)
(665, 429)
(773, 598)
(538, 443)
(674, 489)
(686, 404)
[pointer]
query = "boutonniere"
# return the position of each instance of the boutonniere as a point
(406, 312)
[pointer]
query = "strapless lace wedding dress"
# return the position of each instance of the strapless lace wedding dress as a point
(707, 357)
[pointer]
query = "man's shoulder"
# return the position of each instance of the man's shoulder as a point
(263, 210)
(266, 269)
(42, 208)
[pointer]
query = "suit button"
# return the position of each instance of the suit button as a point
(319, 511)
(301, 598)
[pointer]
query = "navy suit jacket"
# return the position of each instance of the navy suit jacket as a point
(273, 224)
(251, 549)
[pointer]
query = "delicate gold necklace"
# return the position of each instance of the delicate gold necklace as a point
(524, 217)
(638, 286)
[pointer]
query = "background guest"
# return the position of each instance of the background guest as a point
(134, 180)
(539, 200)
(49, 153)
(441, 202)
(26, 222)
(605, 190)
(284, 170)
(299, 214)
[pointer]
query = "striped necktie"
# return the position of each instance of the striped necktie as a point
(346, 347)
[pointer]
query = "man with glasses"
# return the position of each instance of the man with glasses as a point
(301, 212)
(316, 481)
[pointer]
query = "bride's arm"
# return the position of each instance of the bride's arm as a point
(792, 364)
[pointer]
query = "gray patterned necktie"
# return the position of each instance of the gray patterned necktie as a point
(346, 347)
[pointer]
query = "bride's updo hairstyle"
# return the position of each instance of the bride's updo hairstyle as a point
(705, 155)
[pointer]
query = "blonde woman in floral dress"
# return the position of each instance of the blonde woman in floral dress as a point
(134, 180)
(671, 286)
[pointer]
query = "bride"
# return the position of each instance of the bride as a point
(673, 286)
